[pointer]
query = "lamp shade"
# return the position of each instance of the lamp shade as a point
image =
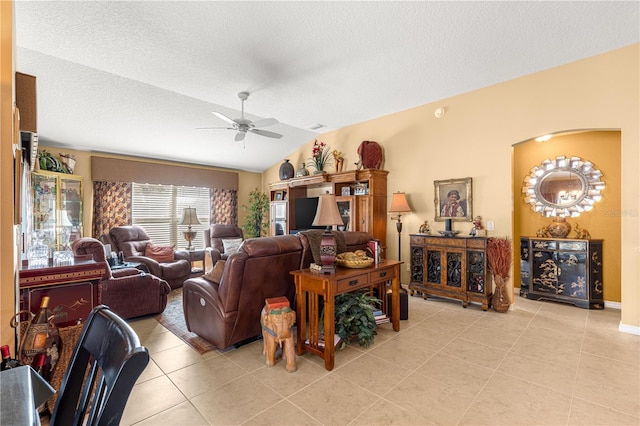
(189, 217)
(399, 203)
(327, 213)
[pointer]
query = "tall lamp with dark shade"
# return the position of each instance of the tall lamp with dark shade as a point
(328, 215)
(399, 206)
(189, 217)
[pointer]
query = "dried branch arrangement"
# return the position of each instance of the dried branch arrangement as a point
(499, 256)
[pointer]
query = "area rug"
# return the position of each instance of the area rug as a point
(173, 319)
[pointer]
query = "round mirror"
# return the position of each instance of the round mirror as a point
(563, 187)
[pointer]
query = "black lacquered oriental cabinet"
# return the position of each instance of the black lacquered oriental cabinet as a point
(562, 269)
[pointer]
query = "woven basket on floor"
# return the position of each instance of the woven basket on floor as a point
(68, 338)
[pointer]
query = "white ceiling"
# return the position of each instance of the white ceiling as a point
(138, 77)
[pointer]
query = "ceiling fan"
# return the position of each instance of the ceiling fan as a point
(243, 125)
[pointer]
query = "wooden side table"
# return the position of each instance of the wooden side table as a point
(197, 256)
(311, 285)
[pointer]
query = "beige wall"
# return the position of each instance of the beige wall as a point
(475, 138)
(8, 247)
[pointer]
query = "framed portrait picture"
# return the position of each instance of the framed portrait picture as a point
(360, 189)
(346, 191)
(279, 195)
(453, 200)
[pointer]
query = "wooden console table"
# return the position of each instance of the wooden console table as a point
(311, 285)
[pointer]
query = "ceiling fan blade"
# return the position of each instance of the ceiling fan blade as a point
(266, 133)
(214, 128)
(265, 122)
(224, 117)
(240, 136)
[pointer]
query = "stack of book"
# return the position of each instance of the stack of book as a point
(336, 341)
(380, 317)
(276, 303)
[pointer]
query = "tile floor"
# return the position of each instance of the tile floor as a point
(542, 363)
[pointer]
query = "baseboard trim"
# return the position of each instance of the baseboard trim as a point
(631, 329)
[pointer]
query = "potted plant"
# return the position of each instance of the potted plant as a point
(354, 317)
(257, 219)
(320, 156)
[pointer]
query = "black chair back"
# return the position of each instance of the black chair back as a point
(106, 362)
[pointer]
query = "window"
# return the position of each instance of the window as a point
(158, 209)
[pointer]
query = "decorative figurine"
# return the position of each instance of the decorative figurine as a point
(582, 234)
(338, 160)
(370, 154)
(424, 228)
(478, 228)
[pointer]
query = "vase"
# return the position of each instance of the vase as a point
(319, 172)
(286, 170)
(500, 297)
(302, 171)
(559, 228)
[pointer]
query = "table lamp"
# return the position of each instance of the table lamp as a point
(399, 206)
(327, 215)
(189, 217)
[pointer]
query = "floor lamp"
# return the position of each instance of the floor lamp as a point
(399, 206)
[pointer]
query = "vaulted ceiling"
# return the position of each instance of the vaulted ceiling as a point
(139, 77)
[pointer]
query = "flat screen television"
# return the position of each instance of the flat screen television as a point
(305, 212)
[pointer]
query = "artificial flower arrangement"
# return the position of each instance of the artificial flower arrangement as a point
(320, 156)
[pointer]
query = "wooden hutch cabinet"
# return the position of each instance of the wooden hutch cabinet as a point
(281, 210)
(563, 270)
(453, 267)
(361, 197)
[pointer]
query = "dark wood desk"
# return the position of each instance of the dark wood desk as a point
(310, 285)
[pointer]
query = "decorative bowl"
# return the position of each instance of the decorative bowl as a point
(361, 262)
(449, 233)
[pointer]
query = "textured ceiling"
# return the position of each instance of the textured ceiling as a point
(138, 77)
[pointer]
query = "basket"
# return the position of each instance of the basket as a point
(361, 262)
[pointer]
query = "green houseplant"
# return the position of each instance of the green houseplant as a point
(257, 219)
(354, 317)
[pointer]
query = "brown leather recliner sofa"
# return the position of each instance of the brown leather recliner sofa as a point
(228, 312)
(132, 240)
(128, 292)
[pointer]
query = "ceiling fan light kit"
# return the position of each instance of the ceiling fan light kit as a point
(243, 125)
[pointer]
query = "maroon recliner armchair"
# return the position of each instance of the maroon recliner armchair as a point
(215, 237)
(128, 292)
(132, 240)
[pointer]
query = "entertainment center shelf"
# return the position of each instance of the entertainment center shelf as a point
(361, 197)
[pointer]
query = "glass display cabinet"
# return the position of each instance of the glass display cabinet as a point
(57, 208)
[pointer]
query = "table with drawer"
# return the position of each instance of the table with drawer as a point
(311, 285)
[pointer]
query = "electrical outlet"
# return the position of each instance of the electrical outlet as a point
(490, 225)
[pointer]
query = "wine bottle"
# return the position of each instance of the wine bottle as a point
(38, 364)
(40, 337)
(7, 361)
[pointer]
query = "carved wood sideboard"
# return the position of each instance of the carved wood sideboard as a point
(563, 270)
(453, 267)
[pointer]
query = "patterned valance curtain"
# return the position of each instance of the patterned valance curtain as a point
(111, 206)
(224, 206)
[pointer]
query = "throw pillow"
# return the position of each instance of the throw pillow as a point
(215, 274)
(159, 253)
(231, 245)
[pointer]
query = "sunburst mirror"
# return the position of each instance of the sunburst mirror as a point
(563, 187)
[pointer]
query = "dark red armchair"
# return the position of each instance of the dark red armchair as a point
(132, 241)
(128, 292)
